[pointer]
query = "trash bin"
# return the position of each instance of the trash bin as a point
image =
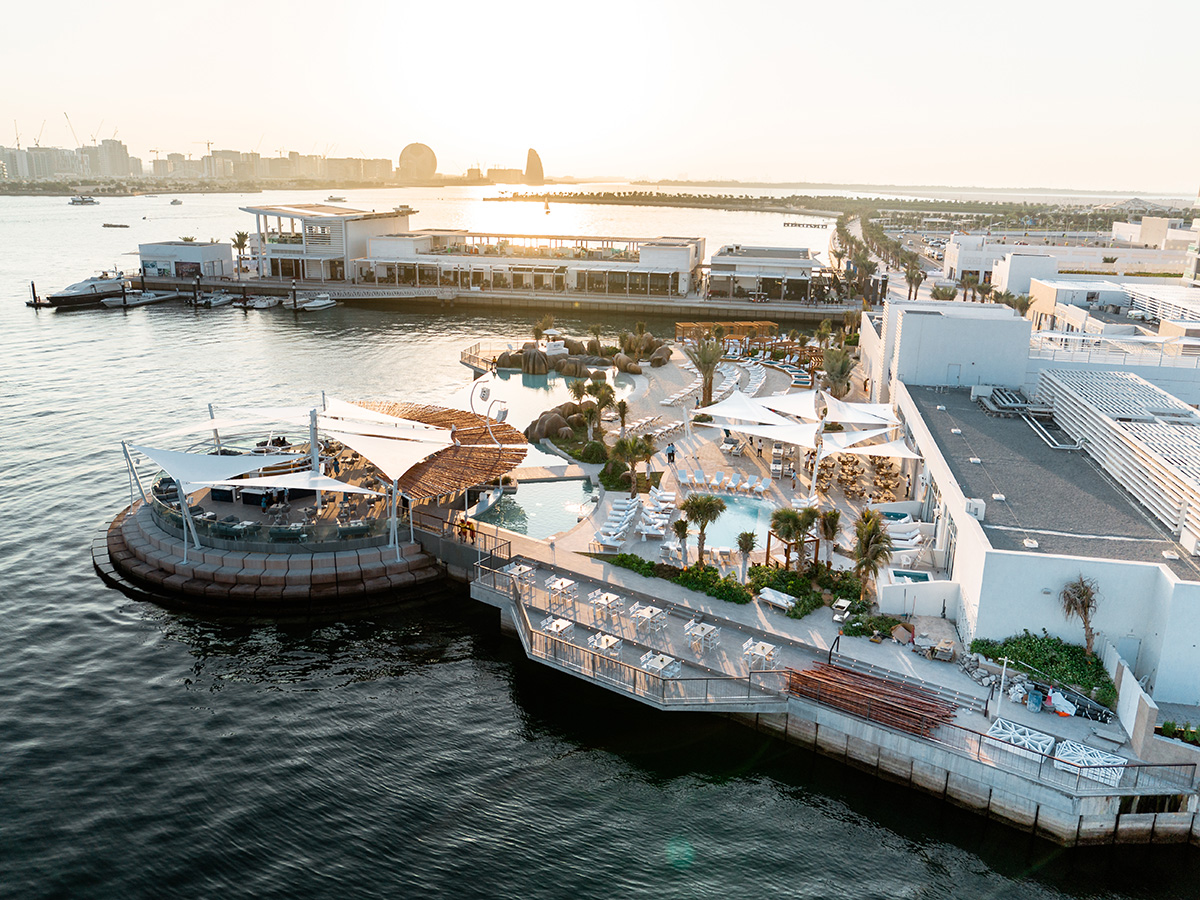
(1034, 701)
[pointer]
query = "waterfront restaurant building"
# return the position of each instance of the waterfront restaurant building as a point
(316, 240)
(186, 259)
(471, 260)
(761, 273)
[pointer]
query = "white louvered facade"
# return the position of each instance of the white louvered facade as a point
(1146, 439)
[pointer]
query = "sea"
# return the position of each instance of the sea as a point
(146, 753)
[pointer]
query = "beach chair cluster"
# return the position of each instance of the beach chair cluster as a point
(640, 424)
(622, 517)
(657, 512)
(666, 430)
(758, 377)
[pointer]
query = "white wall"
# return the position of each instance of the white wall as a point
(928, 598)
(1183, 381)
(938, 349)
(1014, 271)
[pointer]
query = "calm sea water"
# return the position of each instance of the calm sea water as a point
(148, 754)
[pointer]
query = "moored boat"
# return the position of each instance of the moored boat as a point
(335, 199)
(84, 200)
(90, 291)
(138, 298)
(214, 299)
(316, 303)
(256, 302)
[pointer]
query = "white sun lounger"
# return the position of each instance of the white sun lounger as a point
(751, 484)
(717, 481)
(762, 486)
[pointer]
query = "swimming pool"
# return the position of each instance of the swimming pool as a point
(909, 576)
(741, 514)
(542, 509)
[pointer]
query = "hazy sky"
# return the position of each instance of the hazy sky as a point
(1059, 93)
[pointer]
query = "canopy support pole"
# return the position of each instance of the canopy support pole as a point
(395, 529)
(315, 451)
(188, 524)
(133, 472)
(216, 434)
(412, 536)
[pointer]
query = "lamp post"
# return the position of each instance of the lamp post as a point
(484, 393)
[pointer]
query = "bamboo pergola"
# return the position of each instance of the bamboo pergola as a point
(733, 330)
(475, 460)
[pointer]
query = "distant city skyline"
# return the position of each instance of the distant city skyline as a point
(1021, 96)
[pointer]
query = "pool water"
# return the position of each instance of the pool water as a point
(907, 575)
(741, 514)
(542, 509)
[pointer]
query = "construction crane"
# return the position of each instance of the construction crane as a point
(37, 141)
(156, 152)
(207, 145)
(17, 134)
(97, 131)
(72, 127)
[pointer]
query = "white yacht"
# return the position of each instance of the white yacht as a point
(214, 299)
(138, 298)
(90, 291)
(317, 303)
(84, 200)
(256, 302)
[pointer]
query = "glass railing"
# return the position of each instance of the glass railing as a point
(292, 527)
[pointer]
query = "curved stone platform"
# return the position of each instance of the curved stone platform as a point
(289, 582)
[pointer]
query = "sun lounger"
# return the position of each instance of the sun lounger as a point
(717, 481)
(698, 478)
(762, 486)
(777, 598)
(751, 484)
(734, 481)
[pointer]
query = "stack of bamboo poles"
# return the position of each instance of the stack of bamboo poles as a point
(895, 704)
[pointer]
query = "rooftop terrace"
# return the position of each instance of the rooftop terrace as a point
(1059, 498)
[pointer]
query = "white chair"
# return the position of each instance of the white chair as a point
(734, 484)
(717, 481)
(762, 487)
(698, 478)
(750, 484)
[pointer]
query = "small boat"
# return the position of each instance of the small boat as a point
(256, 302)
(138, 298)
(332, 199)
(314, 303)
(84, 200)
(90, 291)
(177, 202)
(113, 225)
(214, 299)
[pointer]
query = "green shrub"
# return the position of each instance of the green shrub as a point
(702, 417)
(865, 626)
(594, 452)
(1065, 663)
(1168, 729)
(634, 563)
(777, 355)
(610, 476)
(852, 340)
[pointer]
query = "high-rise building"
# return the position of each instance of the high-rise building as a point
(533, 168)
(15, 162)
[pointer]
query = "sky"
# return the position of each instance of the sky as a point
(1058, 93)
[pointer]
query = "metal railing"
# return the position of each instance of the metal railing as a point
(1076, 779)
(625, 677)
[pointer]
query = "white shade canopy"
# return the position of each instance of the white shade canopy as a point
(838, 441)
(191, 469)
(231, 423)
(800, 434)
(896, 449)
(305, 480)
(802, 404)
(858, 413)
(341, 409)
(400, 432)
(393, 458)
(744, 408)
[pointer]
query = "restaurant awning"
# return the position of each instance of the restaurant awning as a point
(803, 404)
(839, 441)
(858, 413)
(307, 480)
(744, 408)
(393, 458)
(896, 449)
(802, 435)
(192, 469)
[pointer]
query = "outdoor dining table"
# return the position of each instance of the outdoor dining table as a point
(606, 643)
(760, 650)
(561, 589)
(608, 601)
(646, 615)
(560, 627)
(659, 663)
(705, 634)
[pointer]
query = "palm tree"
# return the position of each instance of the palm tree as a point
(595, 330)
(605, 397)
(913, 275)
(578, 388)
(872, 548)
(807, 519)
(785, 522)
(983, 290)
(968, 283)
(850, 322)
(824, 332)
(705, 356)
(943, 293)
(1005, 297)
(1079, 599)
(680, 527)
(746, 542)
(623, 411)
(838, 366)
(543, 325)
(644, 451)
(241, 239)
(625, 451)
(591, 415)
(702, 510)
(831, 519)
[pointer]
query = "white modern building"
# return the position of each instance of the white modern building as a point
(1017, 510)
(617, 266)
(317, 241)
(186, 259)
(766, 273)
(1013, 272)
(975, 255)
(1157, 232)
(1049, 298)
